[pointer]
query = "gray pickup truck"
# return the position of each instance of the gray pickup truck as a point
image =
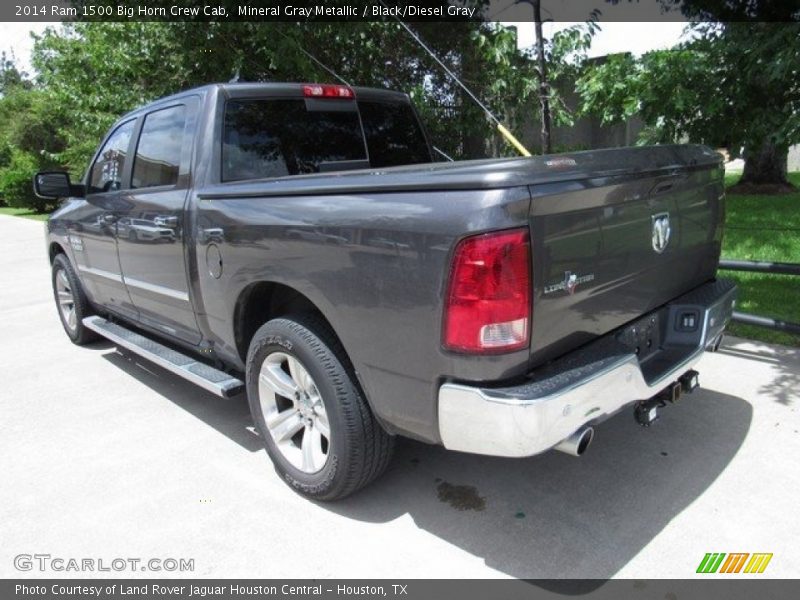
(299, 242)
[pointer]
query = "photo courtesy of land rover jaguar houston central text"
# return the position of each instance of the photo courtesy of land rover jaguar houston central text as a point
(297, 242)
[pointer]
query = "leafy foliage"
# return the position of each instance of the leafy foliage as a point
(670, 90)
(565, 54)
(10, 76)
(96, 71)
(90, 73)
(729, 11)
(27, 137)
(733, 84)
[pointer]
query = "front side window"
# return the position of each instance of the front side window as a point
(274, 138)
(106, 174)
(158, 154)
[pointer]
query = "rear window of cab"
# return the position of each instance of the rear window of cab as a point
(265, 138)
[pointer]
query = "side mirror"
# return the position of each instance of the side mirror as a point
(52, 185)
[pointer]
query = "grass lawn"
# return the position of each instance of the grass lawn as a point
(764, 228)
(23, 212)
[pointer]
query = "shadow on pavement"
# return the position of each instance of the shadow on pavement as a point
(231, 417)
(546, 517)
(556, 516)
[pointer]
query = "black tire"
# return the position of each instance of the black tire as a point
(359, 449)
(78, 332)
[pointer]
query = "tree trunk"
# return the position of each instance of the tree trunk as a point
(544, 87)
(764, 171)
(475, 130)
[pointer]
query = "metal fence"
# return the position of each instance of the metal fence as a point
(757, 266)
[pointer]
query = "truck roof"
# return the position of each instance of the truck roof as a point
(241, 89)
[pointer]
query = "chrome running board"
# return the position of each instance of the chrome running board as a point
(211, 379)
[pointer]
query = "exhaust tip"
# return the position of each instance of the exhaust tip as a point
(577, 443)
(586, 438)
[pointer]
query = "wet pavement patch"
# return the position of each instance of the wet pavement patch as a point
(461, 497)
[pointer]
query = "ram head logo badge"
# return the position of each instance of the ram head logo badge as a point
(661, 231)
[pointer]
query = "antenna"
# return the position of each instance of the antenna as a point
(442, 152)
(500, 127)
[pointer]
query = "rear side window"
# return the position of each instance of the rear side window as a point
(158, 154)
(106, 174)
(274, 138)
(393, 133)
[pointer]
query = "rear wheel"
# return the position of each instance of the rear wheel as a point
(73, 306)
(316, 425)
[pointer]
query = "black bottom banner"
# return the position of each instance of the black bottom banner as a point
(413, 589)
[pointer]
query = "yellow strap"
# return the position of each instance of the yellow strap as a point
(512, 140)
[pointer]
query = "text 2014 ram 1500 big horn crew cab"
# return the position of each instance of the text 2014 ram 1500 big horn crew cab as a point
(307, 248)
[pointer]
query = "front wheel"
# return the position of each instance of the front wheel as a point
(316, 425)
(73, 306)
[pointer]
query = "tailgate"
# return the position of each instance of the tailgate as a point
(640, 227)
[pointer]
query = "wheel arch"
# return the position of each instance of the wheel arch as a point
(54, 249)
(262, 301)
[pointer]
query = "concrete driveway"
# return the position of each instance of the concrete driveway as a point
(104, 457)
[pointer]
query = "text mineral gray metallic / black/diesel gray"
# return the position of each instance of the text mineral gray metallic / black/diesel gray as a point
(298, 240)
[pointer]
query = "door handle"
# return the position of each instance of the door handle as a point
(170, 222)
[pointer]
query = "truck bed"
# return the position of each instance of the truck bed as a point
(590, 215)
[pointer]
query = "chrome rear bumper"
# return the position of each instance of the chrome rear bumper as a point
(582, 388)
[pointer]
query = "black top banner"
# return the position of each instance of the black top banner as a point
(406, 10)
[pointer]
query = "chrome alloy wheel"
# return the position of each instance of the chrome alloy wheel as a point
(66, 301)
(294, 412)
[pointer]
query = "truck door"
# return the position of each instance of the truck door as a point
(152, 233)
(93, 235)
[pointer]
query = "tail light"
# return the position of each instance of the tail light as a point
(317, 90)
(488, 302)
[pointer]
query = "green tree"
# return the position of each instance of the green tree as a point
(90, 73)
(96, 71)
(27, 137)
(10, 76)
(732, 84)
(93, 72)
